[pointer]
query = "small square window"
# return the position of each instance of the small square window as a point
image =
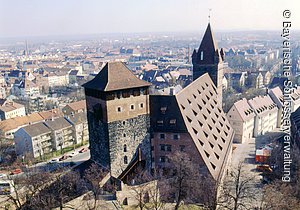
(132, 107)
(162, 159)
(169, 148)
(141, 105)
(182, 147)
(162, 136)
(119, 109)
(163, 109)
(176, 136)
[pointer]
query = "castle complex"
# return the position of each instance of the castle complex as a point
(127, 126)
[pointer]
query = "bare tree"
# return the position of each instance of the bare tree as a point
(237, 190)
(141, 188)
(278, 195)
(183, 179)
(157, 190)
(93, 176)
(27, 187)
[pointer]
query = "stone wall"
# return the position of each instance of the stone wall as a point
(98, 138)
(125, 136)
(108, 140)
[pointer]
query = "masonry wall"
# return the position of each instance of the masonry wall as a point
(117, 128)
(125, 136)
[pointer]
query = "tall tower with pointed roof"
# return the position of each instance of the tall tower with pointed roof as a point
(118, 117)
(209, 59)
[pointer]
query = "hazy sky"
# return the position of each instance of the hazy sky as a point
(64, 17)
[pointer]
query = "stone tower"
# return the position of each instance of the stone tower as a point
(118, 117)
(209, 59)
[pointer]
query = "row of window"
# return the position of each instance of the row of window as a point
(165, 147)
(168, 147)
(112, 96)
(132, 107)
(163, 136)
(172, 122)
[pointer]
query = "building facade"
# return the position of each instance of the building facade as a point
(266, 114)
(118, 117)
(33, 140)
(10, 109)
(241, 117)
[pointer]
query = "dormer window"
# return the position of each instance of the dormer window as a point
(160, 122)
(173, 122)
(163, 109)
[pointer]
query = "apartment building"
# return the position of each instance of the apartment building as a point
(241, 117)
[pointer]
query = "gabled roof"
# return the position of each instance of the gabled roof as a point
(115, 76)
(58, 124)
(8, 106)
(244, 109)
(77, 118)
(51, 114)
(262, 105)
(14, 123)
(209, 48)
(36, 129)
(78, 105)
(206, 123)
(276, 92)
(165, 114)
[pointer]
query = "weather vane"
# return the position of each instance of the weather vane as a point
(209, 10)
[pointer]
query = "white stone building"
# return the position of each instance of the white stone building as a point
(241, 117)
(266, 114)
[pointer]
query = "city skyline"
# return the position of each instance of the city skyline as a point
(49, 18)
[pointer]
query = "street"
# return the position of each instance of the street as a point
(246, 152)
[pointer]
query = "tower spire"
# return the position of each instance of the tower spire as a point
(209, 10)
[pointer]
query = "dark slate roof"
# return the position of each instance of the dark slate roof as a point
(149, 75)
(16, 73)
(115, 76)
(36, 129)
(277, 82)
(164, 109)
(208, 46)
(233, 76)
(73, 72)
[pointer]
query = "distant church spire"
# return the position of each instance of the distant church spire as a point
(209, 59)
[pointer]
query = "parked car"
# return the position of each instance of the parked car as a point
(64, 157)
(72, 154)
(53, 160)
(16, 171)
(83, 150)
(264, 168)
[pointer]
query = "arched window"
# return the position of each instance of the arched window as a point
(125, 148)
(125, 160)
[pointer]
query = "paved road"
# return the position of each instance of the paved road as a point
(245, 153)
(77, 159)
